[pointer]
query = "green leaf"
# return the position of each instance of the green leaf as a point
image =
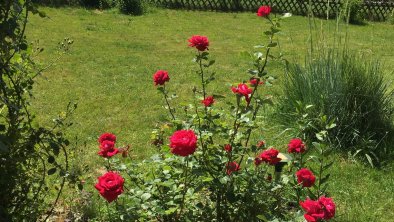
(223, 180)
(325, 179)
(331, 126)
(328, 166)
(275, 30)
(369, 160)
(145, 196)
(207, 179)
(51, 171)
(51, 159)
(253, 71)
(262, 217)
(273, 44)
(170, 211)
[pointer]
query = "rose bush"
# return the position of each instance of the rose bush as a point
(208, 166)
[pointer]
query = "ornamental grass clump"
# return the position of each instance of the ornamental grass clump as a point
(208, 167)
(346, 90)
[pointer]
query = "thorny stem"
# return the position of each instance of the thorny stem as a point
(320, 177)
(184, 189)
(168, 104)
(202, 75)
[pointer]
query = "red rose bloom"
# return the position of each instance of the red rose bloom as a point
(110, 186)
(257, 161)
(232, 167)
(228, 148)
(296, 146)
(269, 156)
(183, 142)
(253, 82)
(322, 209)
(200, 42)
(260, 144)
(328, 207)
(107, 149)
(314, 211)
(243, 90)
(107, 136)
(160, 77)
(208, 101)
(305, 177)
(264, 11)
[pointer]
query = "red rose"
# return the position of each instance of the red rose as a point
(160, 77)
(322, 209)
(264, 11)
(183, 142)
(110, 186)
(260, 144)
(269, 156)
(232, 167)
(254, 82)
(228, 148)
(296, 146)
(208, 101)
(243, 90)
(314, 211)
(328, 207)
(107, 136)
(200, 42)
(107, 149)
(305, 177)
(257, 161)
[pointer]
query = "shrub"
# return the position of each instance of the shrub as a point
(208, 167)
(352, 11)
(344, 89)
(132, 7)
(29, 153)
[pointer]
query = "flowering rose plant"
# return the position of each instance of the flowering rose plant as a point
(210, 166)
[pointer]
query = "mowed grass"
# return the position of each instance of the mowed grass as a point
(109, 74)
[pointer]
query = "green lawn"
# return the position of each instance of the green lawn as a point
(110, 67)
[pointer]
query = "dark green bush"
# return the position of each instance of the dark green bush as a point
(132, 7)
(352, 11)
(350, 91)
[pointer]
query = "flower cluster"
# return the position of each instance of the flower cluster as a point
(321, 209)
(269, 156)
(107, 145)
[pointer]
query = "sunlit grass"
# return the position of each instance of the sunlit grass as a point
(110, 67)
